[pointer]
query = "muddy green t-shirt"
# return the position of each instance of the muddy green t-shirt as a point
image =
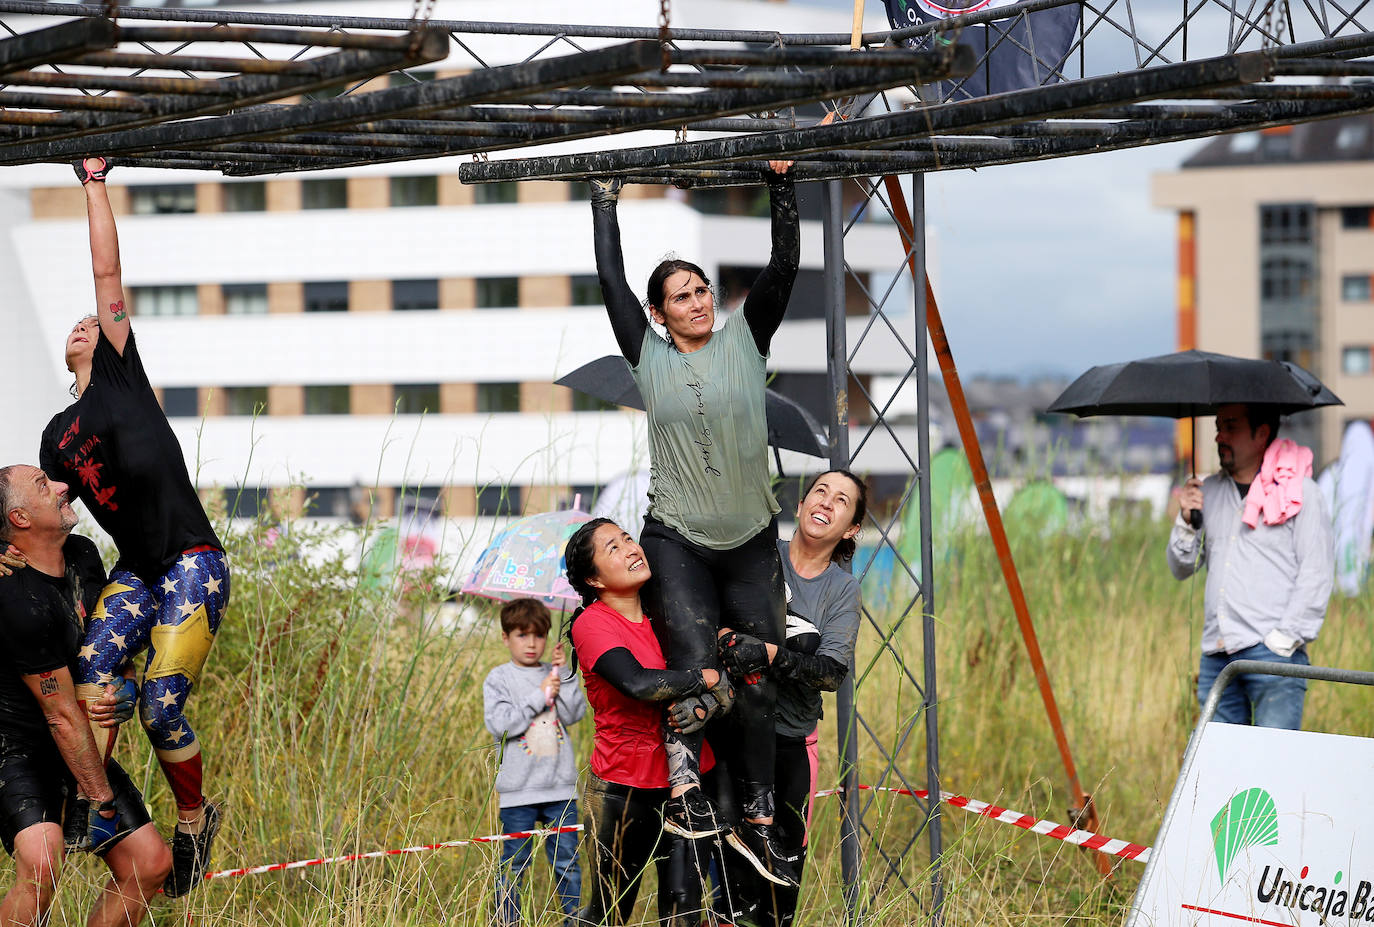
(708, 436)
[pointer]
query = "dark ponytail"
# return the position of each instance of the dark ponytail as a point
(579, 569)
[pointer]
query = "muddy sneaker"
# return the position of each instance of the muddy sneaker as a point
(758, 843)
(191, 855)
(691, 815)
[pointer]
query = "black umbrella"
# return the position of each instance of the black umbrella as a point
(790, 427)
(1192, 383)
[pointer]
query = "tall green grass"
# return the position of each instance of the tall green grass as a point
(338, 717)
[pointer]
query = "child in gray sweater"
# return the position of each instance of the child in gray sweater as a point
(527, 708)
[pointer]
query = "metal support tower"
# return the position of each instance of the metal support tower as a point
(902, 747)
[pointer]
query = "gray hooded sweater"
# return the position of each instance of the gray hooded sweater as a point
(537, 764)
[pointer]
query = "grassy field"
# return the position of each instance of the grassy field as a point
(337, 719)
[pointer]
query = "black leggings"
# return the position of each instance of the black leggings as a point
(694, 592)
(758, 902)
(623, 827)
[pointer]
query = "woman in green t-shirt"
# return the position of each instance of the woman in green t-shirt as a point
(711, 530)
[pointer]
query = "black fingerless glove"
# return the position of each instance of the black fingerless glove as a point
(86, 830)
(742, 655)
(690, 715)
(98, 174)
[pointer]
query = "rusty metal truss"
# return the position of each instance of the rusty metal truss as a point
(198, 88)
(148, 94)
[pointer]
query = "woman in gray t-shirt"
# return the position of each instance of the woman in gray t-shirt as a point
(822, 626)
(711, 532)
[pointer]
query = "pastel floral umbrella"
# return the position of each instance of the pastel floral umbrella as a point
(526, 561)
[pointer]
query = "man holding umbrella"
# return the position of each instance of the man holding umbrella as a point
(1267, 545)
(1260, 527)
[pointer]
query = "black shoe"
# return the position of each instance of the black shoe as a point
(191, 855)
(691, 815)
(758, 843)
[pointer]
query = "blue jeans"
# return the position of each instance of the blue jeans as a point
(1256, 698)
(517, 854)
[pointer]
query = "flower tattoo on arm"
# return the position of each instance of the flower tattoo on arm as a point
(118, 309)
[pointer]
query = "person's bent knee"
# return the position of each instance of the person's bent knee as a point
(38, 854)
(142, 857)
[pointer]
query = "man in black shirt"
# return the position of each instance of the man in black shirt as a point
(50, 767)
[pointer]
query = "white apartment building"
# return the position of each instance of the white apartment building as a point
(389, 327)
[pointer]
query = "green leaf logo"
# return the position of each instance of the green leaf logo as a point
(1249, 819)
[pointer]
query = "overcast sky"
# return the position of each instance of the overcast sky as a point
(1054, 266)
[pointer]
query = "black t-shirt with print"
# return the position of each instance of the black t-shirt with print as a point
(42, 622)
(116, 450)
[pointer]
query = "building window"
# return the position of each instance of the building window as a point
(409, 295)
(1352, 135)
(1288, 223)
(245, 197)
(582, 496)
(487, 194)
(1285, 279)
(245, 400)
(327, 400)
(245, 298)
(415, 191)
(163, 199)
(586, 290)
(498, 397)
(248, 501)
(165, 300)
(328, 501)
(498, 501)
(324, 194)
(1355, 360)
(180, 401)
(583, 402)
(1357, 217)
(417, 398)
(498, 292)
(1355, 288)
(331, 296)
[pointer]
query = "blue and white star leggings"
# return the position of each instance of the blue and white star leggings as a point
(175, 621)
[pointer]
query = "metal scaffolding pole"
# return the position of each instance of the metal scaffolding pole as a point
(837, 367)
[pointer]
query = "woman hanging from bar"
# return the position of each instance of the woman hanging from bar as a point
(711, 530)
(822, 627)
(170, 586)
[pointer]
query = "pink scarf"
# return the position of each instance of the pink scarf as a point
(1277, 491)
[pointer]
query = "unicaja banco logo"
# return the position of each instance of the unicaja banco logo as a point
(1249, 819)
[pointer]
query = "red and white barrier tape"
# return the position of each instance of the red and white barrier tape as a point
(378, 854)
(1083, 838)
(1062, 832)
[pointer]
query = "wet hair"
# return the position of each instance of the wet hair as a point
(663, 271)
(844, 550)
(579, 568)
(577, 560)
(530, 615)
(9, 501)
(1258, 415)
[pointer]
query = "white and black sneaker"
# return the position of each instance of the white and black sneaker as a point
(758, 843)
(691, 815)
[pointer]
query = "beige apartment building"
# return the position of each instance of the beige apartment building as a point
(1276, 259)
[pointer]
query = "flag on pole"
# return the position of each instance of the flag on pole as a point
(1023, 50)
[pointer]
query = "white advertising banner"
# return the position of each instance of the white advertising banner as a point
(917, 11)
(1273, 827)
